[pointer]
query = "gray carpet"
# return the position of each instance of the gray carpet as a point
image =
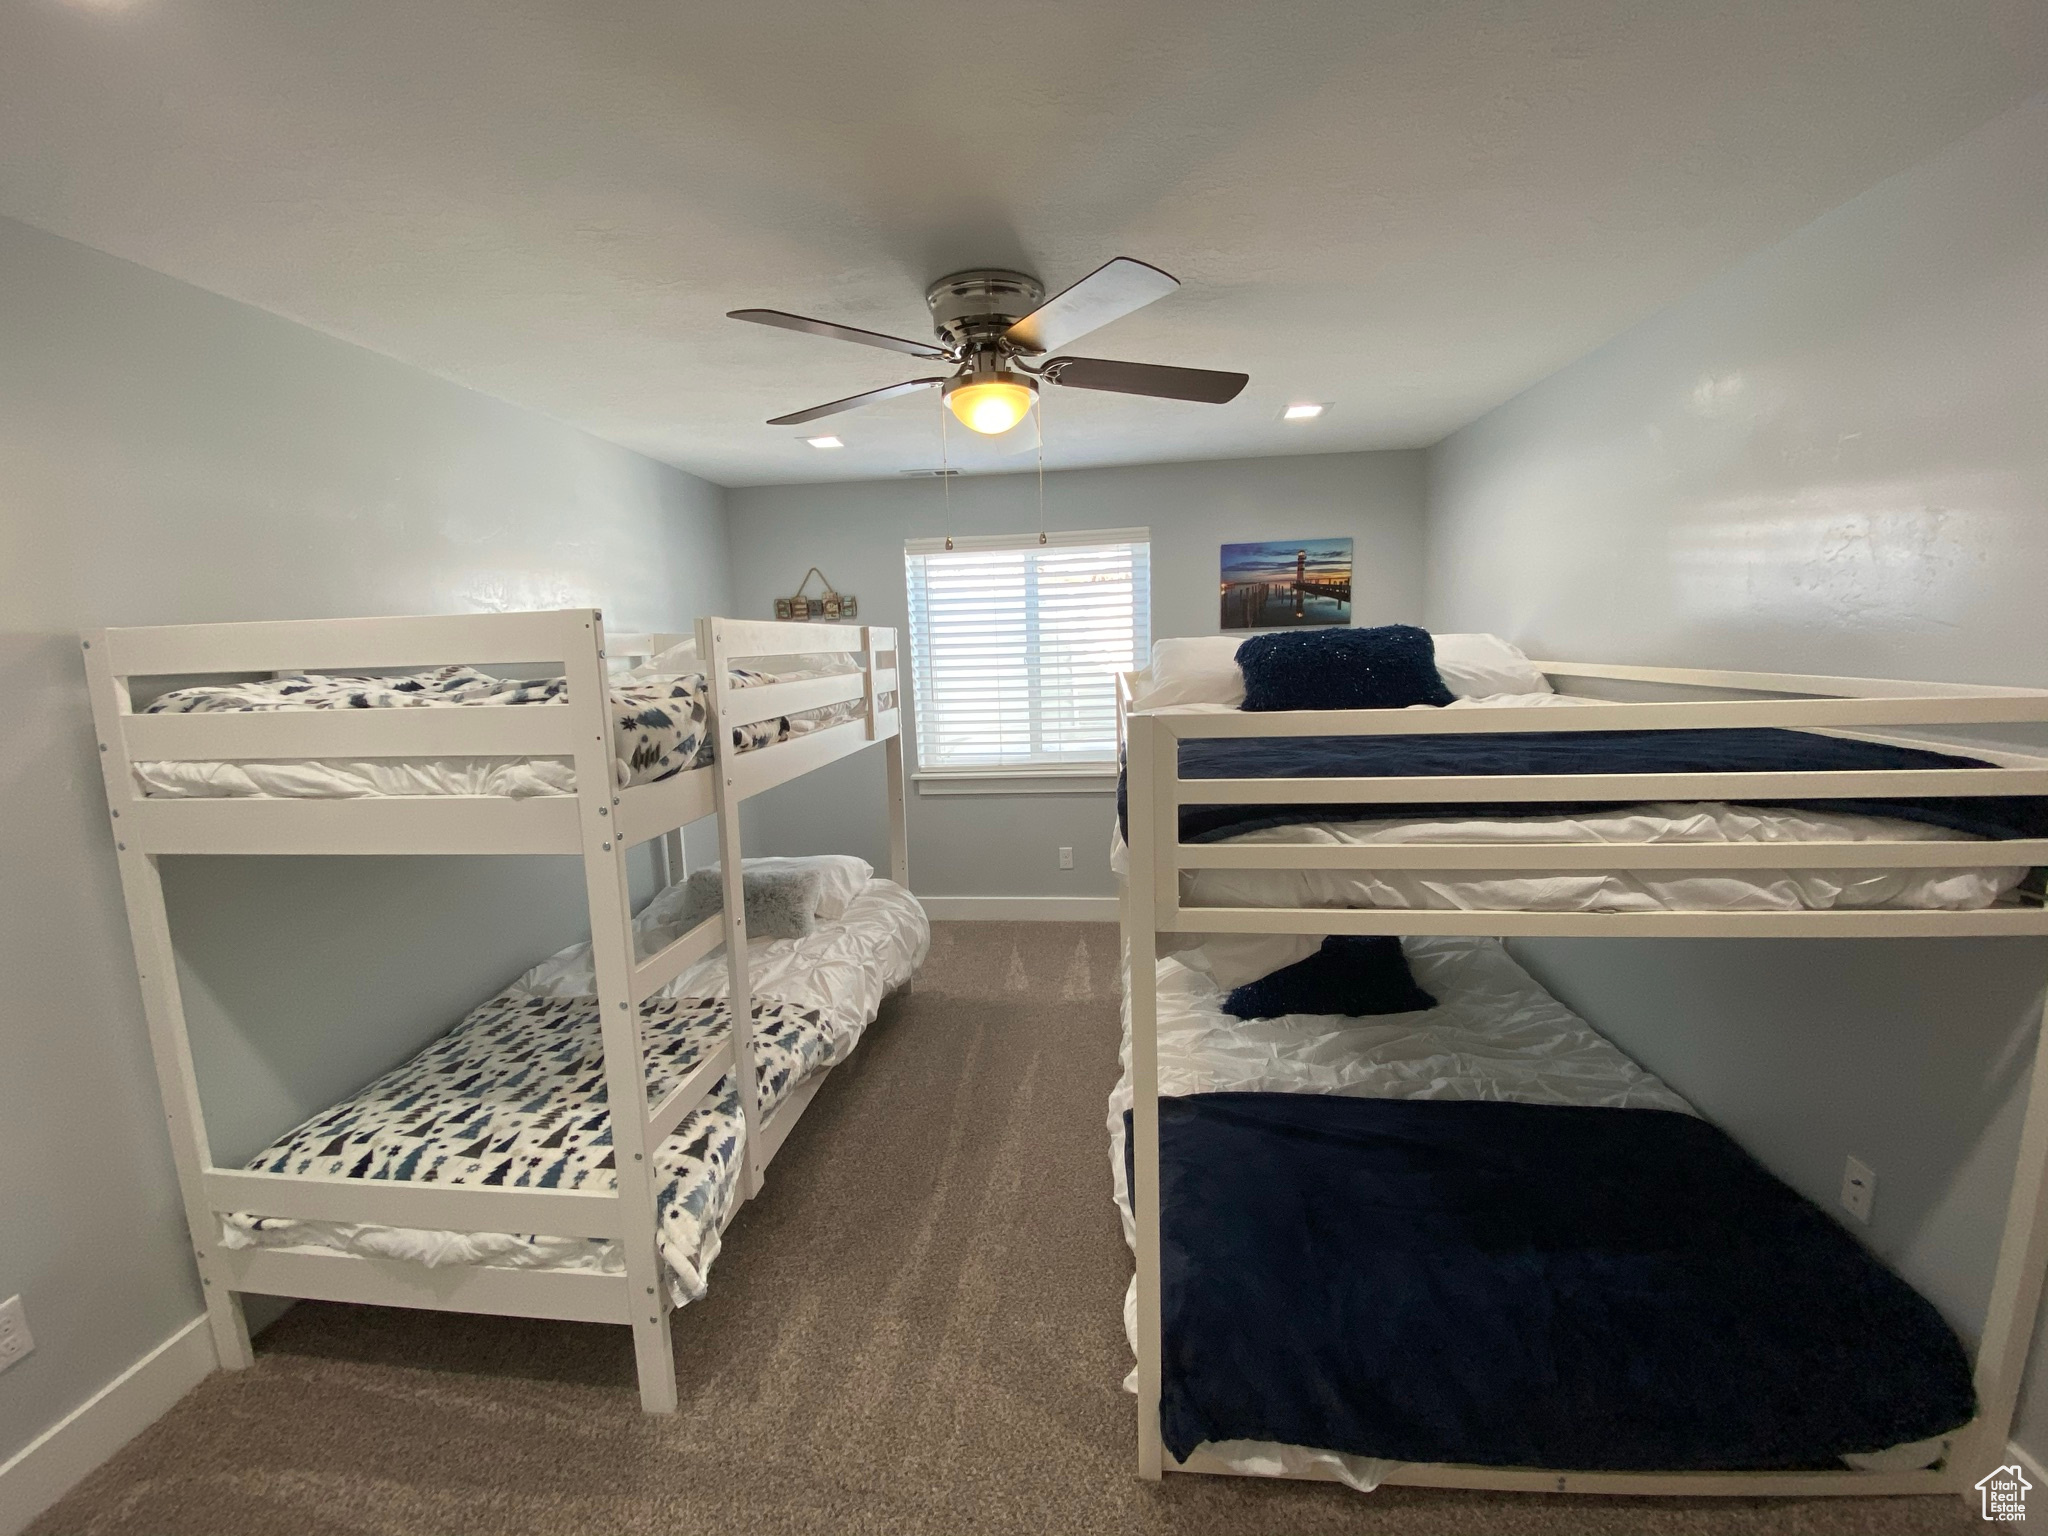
(915, 1329)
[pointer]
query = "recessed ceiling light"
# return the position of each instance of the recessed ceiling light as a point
(1303, 412)
(824, 442)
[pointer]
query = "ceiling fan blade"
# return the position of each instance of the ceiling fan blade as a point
(852, 402)
(1203, 384)
(789, 322)
(1109, 292)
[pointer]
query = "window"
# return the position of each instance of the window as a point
(1015, 646)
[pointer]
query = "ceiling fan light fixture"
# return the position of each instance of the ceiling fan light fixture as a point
(990, 403)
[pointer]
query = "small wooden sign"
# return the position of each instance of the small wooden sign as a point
(827, 605)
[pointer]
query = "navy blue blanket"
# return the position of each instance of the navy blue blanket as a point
(1523, 1285)
(1565, 752)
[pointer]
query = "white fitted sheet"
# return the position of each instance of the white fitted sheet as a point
(1682, 823)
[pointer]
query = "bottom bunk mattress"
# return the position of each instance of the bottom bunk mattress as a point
(514, 1096)
(1523, 1285)
(1497, 1048)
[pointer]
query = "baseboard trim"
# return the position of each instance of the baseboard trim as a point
(2027, 1463)
(1021, 909)
(58, 1459)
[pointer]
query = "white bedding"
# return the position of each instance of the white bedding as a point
(843, 969)
(840, 973)
(1733, 890)
(1746, 890)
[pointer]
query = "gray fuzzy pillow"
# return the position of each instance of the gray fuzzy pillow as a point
(780, 903)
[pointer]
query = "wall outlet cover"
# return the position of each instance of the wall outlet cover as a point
(15, 1339)
(1066, 858)
(1859, 1189)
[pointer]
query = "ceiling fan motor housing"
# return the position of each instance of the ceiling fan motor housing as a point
(971, 310)
(990, 320)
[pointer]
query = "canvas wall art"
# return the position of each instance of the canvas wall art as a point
(1279, 583)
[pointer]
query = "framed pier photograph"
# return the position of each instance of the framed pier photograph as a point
(1285, 582)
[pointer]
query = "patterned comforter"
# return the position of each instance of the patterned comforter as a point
(658, 722)
(514, 1096)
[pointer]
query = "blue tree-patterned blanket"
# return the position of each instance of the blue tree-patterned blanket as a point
(514, 1097)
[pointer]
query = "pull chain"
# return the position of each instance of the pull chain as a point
(945, 471)
(1038, 420)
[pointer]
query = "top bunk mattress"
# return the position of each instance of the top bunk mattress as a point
(1548, 753)
(1909, 819)
(659, 729)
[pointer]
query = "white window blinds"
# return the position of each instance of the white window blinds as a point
(1015, 645)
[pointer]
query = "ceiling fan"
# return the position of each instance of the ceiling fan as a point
(990, 320)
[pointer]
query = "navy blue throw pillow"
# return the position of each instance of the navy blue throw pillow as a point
(1390, 667)
(1357, 975)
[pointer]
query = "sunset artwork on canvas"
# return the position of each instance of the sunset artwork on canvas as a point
(1284, 582)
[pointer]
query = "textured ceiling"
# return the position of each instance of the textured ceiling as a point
(1410, 208)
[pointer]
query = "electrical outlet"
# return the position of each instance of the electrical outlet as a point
(1066, 858)
(1859, 1189)
(15, 1340)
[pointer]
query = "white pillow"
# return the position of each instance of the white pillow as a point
(1232, 959)
(1473, 666)
(843, 877)
(679, 660)
(1198, 669)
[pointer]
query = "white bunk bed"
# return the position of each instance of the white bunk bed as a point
(594, 812)
(1162, 871)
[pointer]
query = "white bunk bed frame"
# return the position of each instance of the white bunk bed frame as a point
(1835, 705)
(598, 824)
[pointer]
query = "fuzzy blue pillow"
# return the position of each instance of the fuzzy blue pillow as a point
(1390, 667)
(1355, 975)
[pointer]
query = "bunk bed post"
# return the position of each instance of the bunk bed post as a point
(612, 956)
(899, 826)
(2015, 1286)
(872, 642)
(163, 1008)
(1140, 952)
(739, 985)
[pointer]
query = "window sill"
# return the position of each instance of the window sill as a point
(1019, 781)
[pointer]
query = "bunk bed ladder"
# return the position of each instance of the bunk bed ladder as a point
(625, 1062)
(739, 986)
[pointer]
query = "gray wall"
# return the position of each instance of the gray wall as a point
(1834, 458)
(169, 456)
(1007, 845)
